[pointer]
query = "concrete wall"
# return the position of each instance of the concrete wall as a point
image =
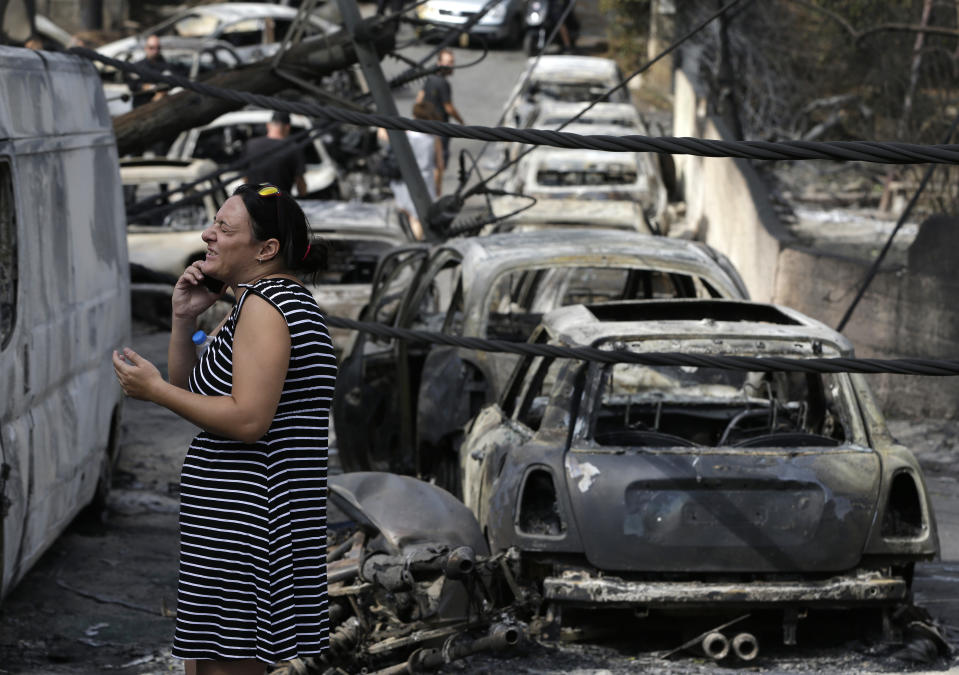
(907, 312)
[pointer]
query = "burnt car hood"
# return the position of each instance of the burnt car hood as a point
(406, 511)
(723, 509)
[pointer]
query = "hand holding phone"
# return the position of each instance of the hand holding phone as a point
(212, 285)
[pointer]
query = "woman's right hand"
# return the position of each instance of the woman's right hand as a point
(190, 296)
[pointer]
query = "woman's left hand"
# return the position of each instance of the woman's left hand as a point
(138, 377)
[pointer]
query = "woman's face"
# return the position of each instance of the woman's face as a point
(231, 249)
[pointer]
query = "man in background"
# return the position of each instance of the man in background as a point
(437, 90)
(144, 92)
(283, 168)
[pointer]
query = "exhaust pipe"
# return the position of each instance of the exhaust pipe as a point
(460, 563)
(746, 646)
(715, 645)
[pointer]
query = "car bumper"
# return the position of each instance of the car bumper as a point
(496, 31)
(854, 589)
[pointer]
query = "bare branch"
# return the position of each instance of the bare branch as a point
(858, 35)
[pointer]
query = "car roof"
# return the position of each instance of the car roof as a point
(234, 11)
(335, 219)
(690, 319)
(254, 117)
(568, 68)
(577, 158)
(617, 213)
(149, 169)
(569, 109)
(491, 254)
(195, 43)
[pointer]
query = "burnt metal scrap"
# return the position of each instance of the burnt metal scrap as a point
(412, 585)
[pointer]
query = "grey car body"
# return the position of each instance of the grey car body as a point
(165, 236)
(651, 483)
(400, 405)
(357, 236)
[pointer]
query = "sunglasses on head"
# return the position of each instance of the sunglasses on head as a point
(267, 190)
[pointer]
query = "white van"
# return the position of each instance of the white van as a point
(64, 299)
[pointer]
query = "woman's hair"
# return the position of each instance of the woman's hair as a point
(276, 215)
(424, 110)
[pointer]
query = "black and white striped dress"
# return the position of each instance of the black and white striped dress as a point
(253, 516)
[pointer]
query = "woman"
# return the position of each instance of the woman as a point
(428, 151)
(252, 585)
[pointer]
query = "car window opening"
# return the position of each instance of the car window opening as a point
(684, 406)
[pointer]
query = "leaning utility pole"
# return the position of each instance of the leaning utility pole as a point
(385, 105)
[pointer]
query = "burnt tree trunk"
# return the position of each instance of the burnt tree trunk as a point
(310, 60)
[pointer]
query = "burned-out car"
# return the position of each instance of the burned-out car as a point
(357, 236)
(401, 405)
(678, 487)
(562, 78)
(557, 173)
(554, 114)
(224, 141)
(188, 57)
(164, 221)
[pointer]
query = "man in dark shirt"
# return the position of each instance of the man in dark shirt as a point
(283, 168)
(144, 92)
(437, 90)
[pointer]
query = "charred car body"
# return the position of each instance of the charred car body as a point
(677, 488)
(560, 173)
(562, 78)
(401, 405)
(224, 141)
(164, 224)
(357, 235)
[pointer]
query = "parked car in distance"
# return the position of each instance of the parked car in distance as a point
(548, 173)
(400, 406)
(223, 140)
(164, 236)
(358, 235)
(562, 78)
(187, 57)
(255, 29)
(504, 23)
(654, 488)
(554, 114)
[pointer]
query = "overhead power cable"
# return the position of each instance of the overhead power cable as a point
(930, 367)
(863, 151)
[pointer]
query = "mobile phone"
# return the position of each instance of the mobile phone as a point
(212, 285)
